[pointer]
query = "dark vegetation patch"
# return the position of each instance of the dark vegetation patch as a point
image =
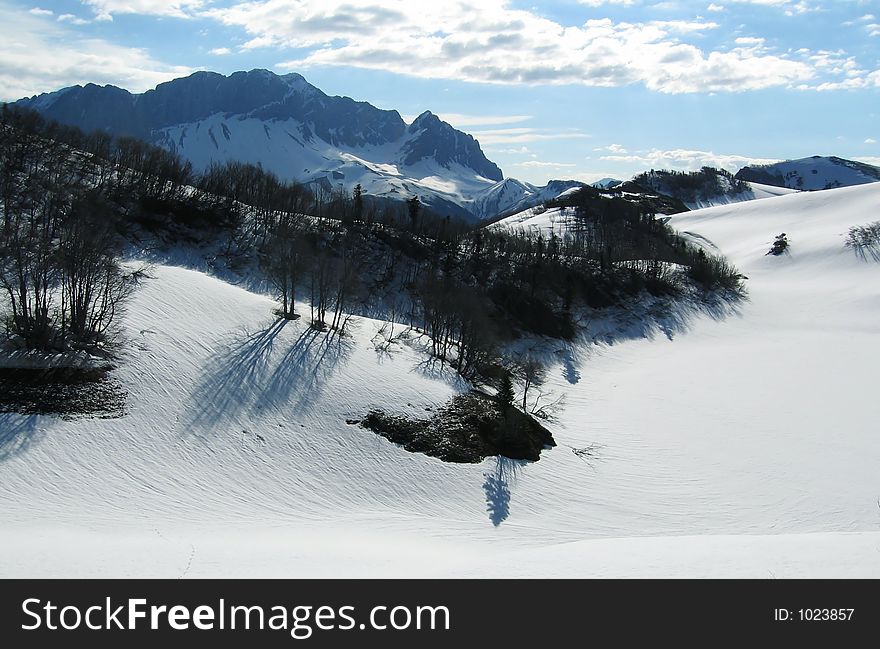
(470, 428)
(692, 186)
(68, 393)
(780, 245)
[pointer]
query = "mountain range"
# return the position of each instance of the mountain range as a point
(288, 126)
(295, 130)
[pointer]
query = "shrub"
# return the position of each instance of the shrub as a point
(780, 245)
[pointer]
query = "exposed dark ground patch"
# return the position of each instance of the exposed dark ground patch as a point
(470, 428)
(68, 393)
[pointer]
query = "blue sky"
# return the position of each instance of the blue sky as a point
(562, 89)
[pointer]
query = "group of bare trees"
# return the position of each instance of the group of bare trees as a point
(315, 255)
(59, 268)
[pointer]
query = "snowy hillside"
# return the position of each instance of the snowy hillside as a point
(547, 221)
(722, 444)
(707, 187)
(756, 191)
(558, 219)
(811, 174)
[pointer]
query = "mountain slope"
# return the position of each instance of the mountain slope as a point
(291, 128)
(721, 446)
(811, 174)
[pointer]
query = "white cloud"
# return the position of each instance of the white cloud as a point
(524, 135)
(871, 160)
(490, 42)
(685, 159)
(72, 19)
(105, 9)
(599, 3)
(714, 7)
(461, 121)
(36, 11)
(39, 55)
(790, 7)
(541, 164)
(870, 140)
(617, 149)
(749, 40)
(523, 150)
(220, 51)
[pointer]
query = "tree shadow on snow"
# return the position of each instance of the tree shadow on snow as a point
(645, 319)
(17, 434)
(250, 377)
(229, 378)
(866, 252)
(439, 370)
(497, 485)
(301, 373)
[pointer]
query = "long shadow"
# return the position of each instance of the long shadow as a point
(570, 370)
(667, 316)
(497, 485)
(864, 251)
(438, 370)
(636, 320)
(228, 381)
(17, 434)
(249, 376)
(300, 374)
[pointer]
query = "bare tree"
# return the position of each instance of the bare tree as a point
(532, 373)
(281, 260)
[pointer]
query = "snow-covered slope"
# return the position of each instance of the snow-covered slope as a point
(547, 221)
(722, 445)
(557, 220)
(756, 191)
(811, 174)
(281, 146)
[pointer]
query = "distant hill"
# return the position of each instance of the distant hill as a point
(811, 174)
(606, 183)
(705, 188)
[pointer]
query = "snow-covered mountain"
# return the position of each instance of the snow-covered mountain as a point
(811, 174)
(292, 128)
(607, 183)
(511, 196)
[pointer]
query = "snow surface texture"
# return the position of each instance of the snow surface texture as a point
(744, 446)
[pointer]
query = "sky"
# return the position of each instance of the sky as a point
(581, 89)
